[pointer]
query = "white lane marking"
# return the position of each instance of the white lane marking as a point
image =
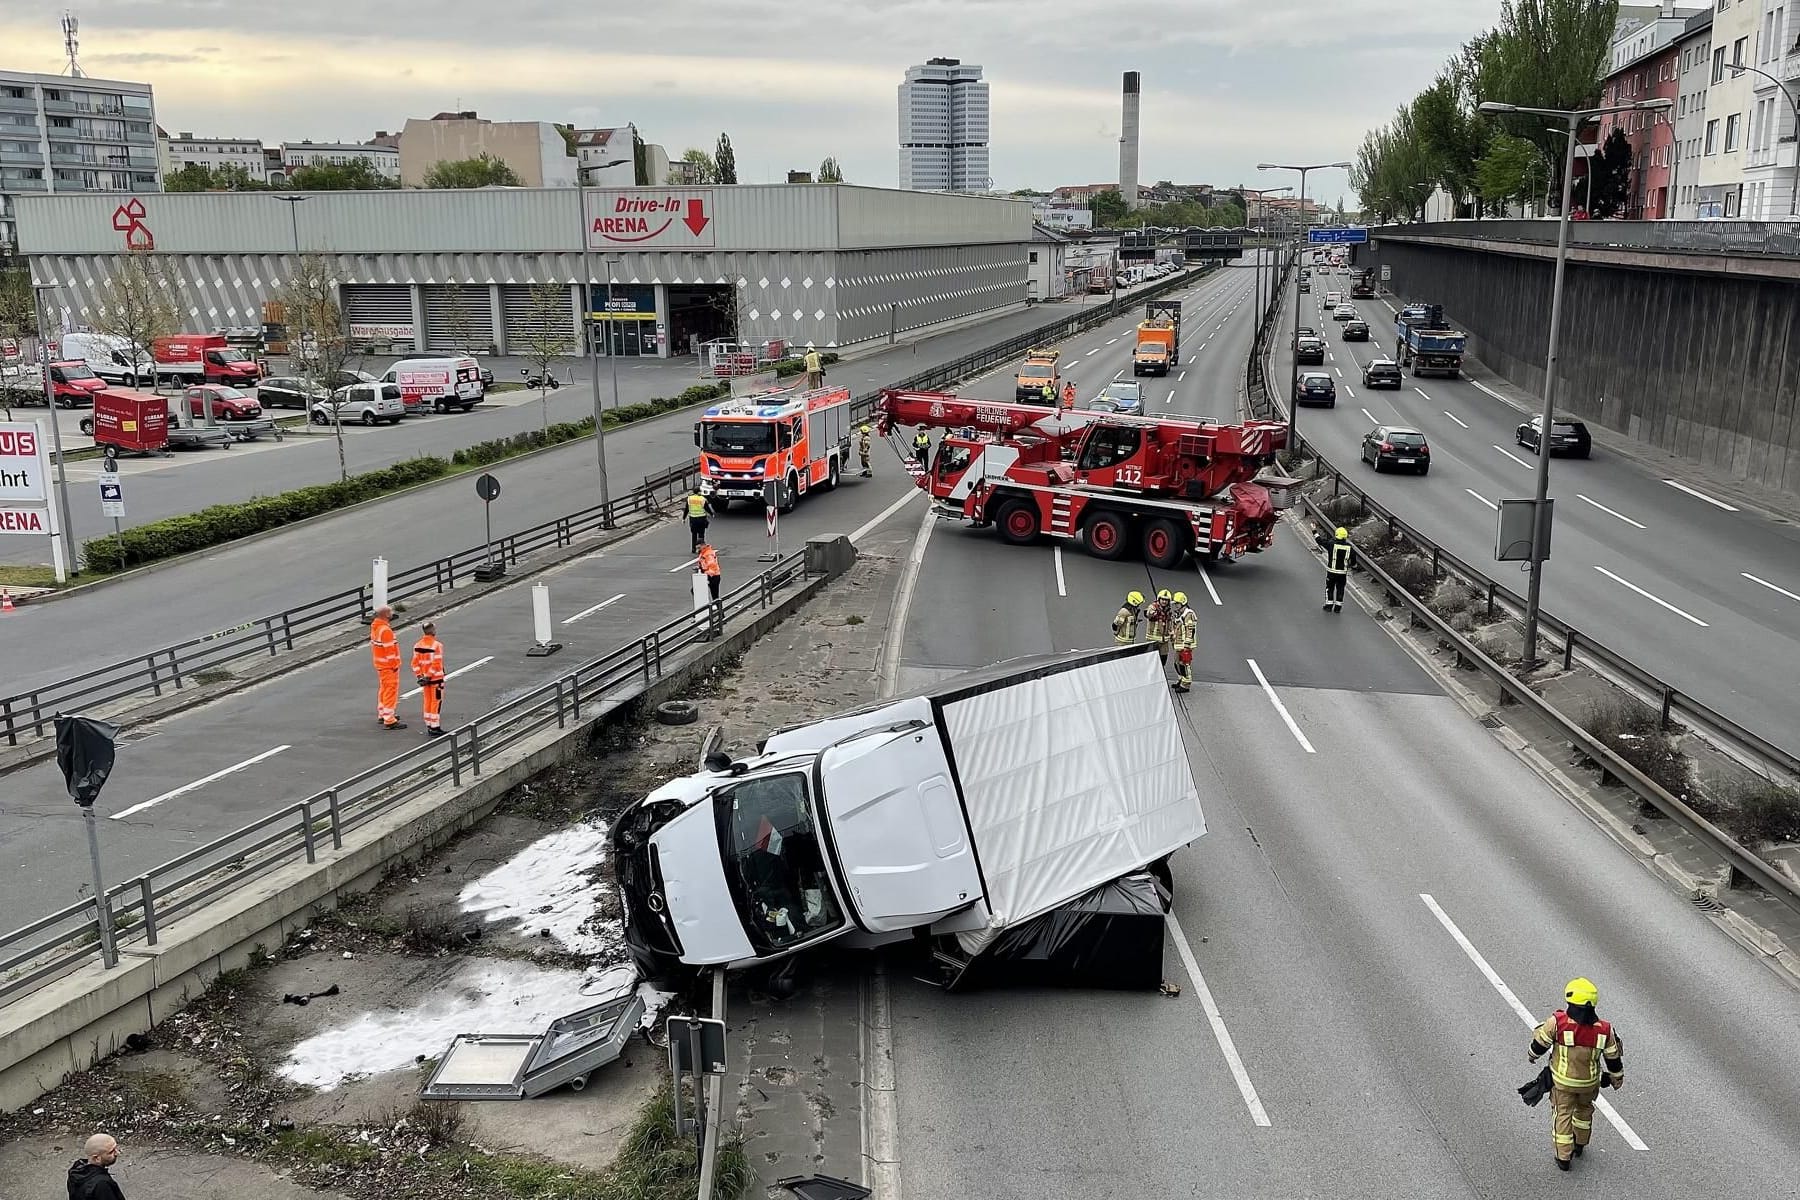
(1207, 580)
(1371, 416)
(1281, 708)
(1340, 371)
(1455, 418)
(1682, 487)
(1181, 377)
(1490, 391)
(1608, 511)
(1482, 498)
(683, 566)
(1520, 1011)
(1091, 353)
(1770, 586)
(1110, 341)
(480, 662)
(185, 788)
(588, 612)
(1062, 588)
(1348, 392)
(1222, 1035)
(875, 521)
(1514, 457)
(1657, 599)
(1119, 374)
(1421, 392)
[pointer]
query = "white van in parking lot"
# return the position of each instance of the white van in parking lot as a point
(108, 357)
(437, 384)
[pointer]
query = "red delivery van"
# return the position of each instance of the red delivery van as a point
(204, 358)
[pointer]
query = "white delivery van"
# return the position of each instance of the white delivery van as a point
(108, 357)
(437, 384)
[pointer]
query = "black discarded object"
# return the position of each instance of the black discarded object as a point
(1110, 937)
(1536, 1089)
(84, 751)
(309, 997)
(824, 1187)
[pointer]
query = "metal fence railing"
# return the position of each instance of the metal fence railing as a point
(1750, 239)
(144, 908)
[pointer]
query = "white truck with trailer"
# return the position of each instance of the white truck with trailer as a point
(1028, 791)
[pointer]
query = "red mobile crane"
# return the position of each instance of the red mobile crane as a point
(1164, 486)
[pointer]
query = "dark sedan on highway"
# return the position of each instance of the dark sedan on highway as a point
(1393, 446)
(1356, 331)
(1315, 388)
(1382, 372)
(1567, 436)
(1310, 351)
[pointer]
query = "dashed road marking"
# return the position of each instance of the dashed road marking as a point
(1682, 487)
(452, 675)
(1287, 717)
(1455, 418)
(1482, 498)
(1514, 457)
(588, 612)
(1608, 511)
(197, 784)
(1686, 616)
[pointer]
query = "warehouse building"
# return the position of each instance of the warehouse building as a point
(829, 265)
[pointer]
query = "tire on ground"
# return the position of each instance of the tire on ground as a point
(677, 712)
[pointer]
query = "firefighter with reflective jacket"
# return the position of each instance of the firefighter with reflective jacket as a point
(1339, 556)
(428, 669)
(699, 512)
(862, 450)
(1184, 628)
(1161, 621)
(1584, 1052)
(1129, 619)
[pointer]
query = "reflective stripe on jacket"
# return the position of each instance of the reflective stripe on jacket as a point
(428, 658)
(384, 645)
(1187, 627)
(696, 507)
(1579, 1053)
(1337, 558)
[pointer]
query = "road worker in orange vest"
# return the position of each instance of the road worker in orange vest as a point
(1069, 395)
(428, 669)
(1584, 1052)
(386, 650)
(708, 563)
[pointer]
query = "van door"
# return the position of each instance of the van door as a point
(898, 829)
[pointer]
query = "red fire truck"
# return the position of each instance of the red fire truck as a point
(797, 440)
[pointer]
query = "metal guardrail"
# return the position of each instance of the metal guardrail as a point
(146, 906)
(1749, 239)
(30, 713)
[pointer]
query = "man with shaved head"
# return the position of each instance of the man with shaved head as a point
(88, 1177)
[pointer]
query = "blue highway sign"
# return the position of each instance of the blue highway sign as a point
(1337, 234)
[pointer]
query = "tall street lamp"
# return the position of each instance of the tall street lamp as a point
(592, 328)
(294, 203)
(1262, 301)
(1540, 526)
(1793, 99)
(39, 307)
(1293, 360)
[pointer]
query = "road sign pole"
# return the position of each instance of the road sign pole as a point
(771, 522)
(109, 953)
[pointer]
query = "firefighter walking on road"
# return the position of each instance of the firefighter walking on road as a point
(386, 650)
(699, 512)
(1161, 623)
(1185, 630)
(862, 450)
(1340, 555)
(428, 669)
(1584, 1052)
(1129, 620)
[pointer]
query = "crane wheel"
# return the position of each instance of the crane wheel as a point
(1107, 535)
(1165, 543)
(1018, 522)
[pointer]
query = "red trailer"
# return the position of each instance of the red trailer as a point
(137, 421)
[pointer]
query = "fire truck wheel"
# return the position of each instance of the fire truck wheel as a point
(787, 495)
(831, 476)
(1018, 522)
(1164, 543)
(720, 504)
(1107, 535)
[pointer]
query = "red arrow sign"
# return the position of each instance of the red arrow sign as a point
(696, 218)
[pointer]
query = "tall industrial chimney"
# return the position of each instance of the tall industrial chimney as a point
(1128, 143)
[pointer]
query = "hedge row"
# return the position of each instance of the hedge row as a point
(227, 522)
(794, 366)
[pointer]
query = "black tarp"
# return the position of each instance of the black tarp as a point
(1111, 937)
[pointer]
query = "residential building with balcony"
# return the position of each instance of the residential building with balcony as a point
(1693, 62)
(1729, 101)
(1769, 158)
(62, 134)
(186, 150)
(1646, 64)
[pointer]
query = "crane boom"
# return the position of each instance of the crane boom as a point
(945, 410)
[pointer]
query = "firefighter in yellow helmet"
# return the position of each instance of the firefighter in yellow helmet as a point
(1340, 555)
(1185, 629)
(1129, 619)
(1161, 621)
(862, 449)
(1584, 1052)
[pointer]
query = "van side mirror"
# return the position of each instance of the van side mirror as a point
(696, 433)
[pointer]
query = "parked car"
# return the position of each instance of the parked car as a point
(343, 379)
(1382, 372)
(1310, 351)
(109, 357)
(289, 391)
(362, 404)
(1356, 331)
(228, 404)
(1315, 387)
(1567, 436)
(1393, 446)
(1123, 396)
(1344, 312)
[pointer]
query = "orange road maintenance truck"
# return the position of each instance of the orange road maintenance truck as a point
(1038, 369)
(797, 440)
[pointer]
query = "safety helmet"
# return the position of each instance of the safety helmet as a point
(1342, 533)
(1181, 597)
(1134, 597)
(1581, 991)
(865, 427)
(1163, 594)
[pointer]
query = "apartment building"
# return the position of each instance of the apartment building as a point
(186, 150)
(1693, 62)
(1769, 155)
(1646, 64)
(63, 134)
(944, 128)
(383, 158)
(535, 150)
(1729, 99)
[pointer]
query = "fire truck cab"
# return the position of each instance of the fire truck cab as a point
(798, 441)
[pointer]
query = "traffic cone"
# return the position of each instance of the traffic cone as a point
(6, 604)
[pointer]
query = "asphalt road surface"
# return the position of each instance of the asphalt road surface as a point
(1704, 595)
(1381, 886)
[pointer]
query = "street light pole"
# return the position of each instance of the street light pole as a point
(293, 203)
(1793, 102)
(1293, 406)
(592, 328)
(67, 532)
(1540, 509)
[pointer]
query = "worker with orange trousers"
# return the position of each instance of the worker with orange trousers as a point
(1584, 1052)
(1068, 395)
(428, 669)
(386, 650)
(708, 560)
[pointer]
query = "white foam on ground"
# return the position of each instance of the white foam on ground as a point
(487, 997)
(552, 885)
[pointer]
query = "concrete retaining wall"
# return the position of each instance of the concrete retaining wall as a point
(1704, 364)
(73, 1023)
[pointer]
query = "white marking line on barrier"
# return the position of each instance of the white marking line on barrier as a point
(1653, 598)
(1222, 1035)
(1770, 586)
(1455, 418)
(588, 612)
(1514, 457)
(1287, 717)
(1496, 395)
(1608, 511)
(1207, 580)
(1682, 487)
(1482, 498)
(1520, 1011)
(197, 784)
(480, 662)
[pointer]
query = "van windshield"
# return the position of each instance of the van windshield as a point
(738, 437)
(773, 862)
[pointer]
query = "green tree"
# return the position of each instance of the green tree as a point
(227, 177)
(640, 164)
(725, 161)
(357, 175)
(193, 177)
(139, 302)
(1108, 207)
(317, 331)
(1512, 169)
(549, 336)
(1547, 54)
(484, 170)
(18, 310)
(829, 171)
(707, 168)
(1609, 177)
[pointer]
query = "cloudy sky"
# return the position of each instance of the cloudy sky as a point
(1227, 83)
